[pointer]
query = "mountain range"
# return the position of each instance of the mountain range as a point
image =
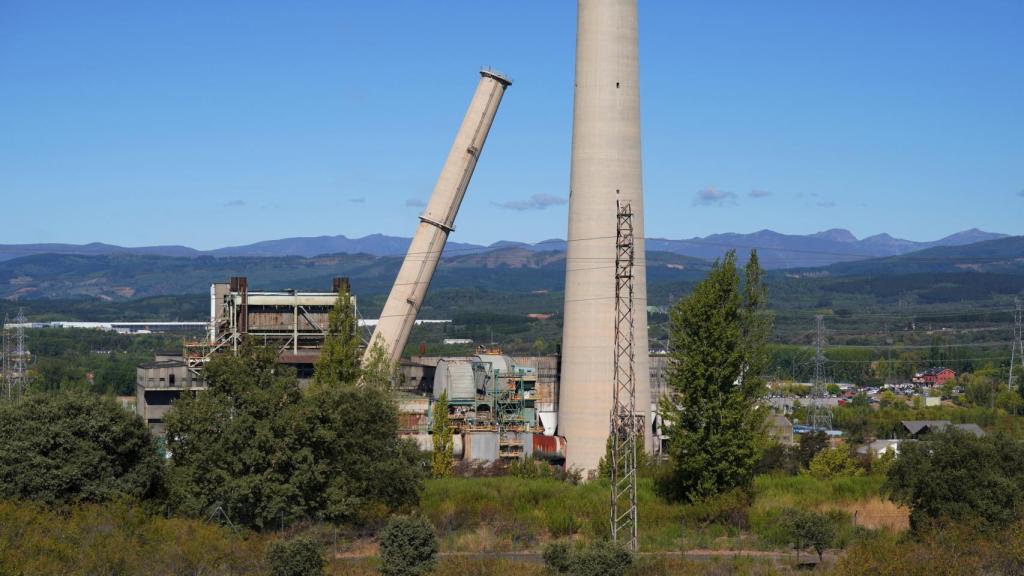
(776, 250)
(987, 266)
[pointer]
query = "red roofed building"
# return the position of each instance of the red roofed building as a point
(934, 376)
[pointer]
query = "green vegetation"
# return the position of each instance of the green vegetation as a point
(270, 455)
(599, 558)
(807, 528)
(93, 361)
(408, 546)
(946, 549)
(959, 477)
(340, 358)
(717, 337)
(297, 557)
(834, 463)
(441, 460)
(70, 448)
(117, 538)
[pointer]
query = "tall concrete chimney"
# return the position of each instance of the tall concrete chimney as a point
(606, 167)
(438, 220)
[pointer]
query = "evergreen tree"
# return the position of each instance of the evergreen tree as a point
(340, 356)
(270, 453)
(718, 353)
(441, 459)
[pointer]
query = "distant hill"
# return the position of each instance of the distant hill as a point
(776, 250)
(1001, 256)
(123, 276)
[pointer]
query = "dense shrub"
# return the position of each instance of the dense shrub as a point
(834, 463)
(558, 557)
(956, 476)
(270, 453)
(58, 448)
(297, 557)
(601, 558)
(408, 546)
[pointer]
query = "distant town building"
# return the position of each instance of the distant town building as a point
(451, 341)
(933, 376)
(921, 428)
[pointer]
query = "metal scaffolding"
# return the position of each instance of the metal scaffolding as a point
(15, 357)
(1017, 348)
(819, 416)
(625, 422)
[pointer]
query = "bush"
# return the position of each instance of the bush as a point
(834, 463)
(558, 557)
(956, 476)
(61, 448)
(408, 546)
(298, 557)
(271, 453)
(807, 528)
(601, 558)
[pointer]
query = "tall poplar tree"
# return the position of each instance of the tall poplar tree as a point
(340, 356)
(441, 459)
(718, 353)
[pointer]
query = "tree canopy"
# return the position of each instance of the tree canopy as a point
(718, 354)
(268, 453)
(957, 476)
(74, 447)
(340, 356)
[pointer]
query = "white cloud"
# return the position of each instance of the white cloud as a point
(759, 193)
(535, 202)
(712, 196)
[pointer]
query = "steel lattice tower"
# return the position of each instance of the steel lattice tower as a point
(819, 415)
(626, 424)
(15, 364)
(1017, 348)
(5, 374)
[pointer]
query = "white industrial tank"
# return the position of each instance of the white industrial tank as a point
(456, 377)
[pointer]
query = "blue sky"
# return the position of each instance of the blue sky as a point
(213, 123)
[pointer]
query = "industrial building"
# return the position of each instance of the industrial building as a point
(294, 322)
(158, 384)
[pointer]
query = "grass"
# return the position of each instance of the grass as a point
(507, 514)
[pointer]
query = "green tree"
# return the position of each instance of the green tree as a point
(271, 455)
(807, 528)
(63, 448)
(810, 444)
(441, 458)
(718, 354)
(378, 369)
(408, 546)
(957, 476)
(834, 463)
(340, 357)
(297, 557)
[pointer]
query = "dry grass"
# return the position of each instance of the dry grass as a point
(876, 514)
